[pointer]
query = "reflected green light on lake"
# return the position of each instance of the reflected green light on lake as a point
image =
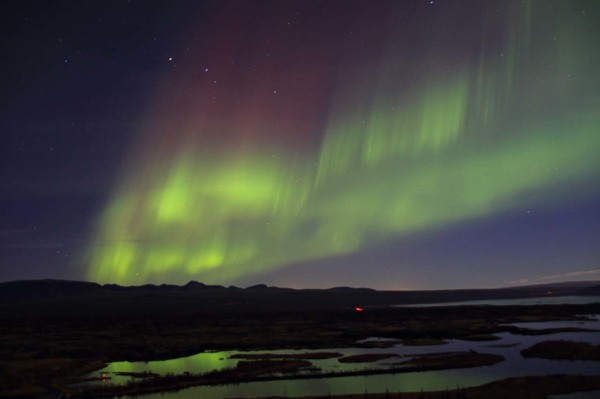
(509, 346)
(200, 363)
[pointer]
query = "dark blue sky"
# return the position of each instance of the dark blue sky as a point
(82, 81)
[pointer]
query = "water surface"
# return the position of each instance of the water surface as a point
(546, 300)
(514, 365)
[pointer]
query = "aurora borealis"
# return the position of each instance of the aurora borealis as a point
(277, 138)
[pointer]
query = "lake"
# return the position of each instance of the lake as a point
(546, 300)
(514, 365)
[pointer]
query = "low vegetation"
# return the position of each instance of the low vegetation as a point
(424, 342)
(143, 374)
(378, 343)
(441, 361)
(563, 350)
(307, 356)
(366, 358)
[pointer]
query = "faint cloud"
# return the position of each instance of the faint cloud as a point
(547, 279)
(522, 281)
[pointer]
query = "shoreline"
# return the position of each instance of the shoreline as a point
(453, 361)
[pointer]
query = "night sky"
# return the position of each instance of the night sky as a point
(387, 144)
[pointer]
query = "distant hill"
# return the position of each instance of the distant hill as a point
(50, 298)
(33, 290)
(591, 291)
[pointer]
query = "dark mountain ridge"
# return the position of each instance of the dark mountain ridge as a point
(258, 296)
(591, 291)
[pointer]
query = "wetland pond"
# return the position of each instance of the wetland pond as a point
(545, 300)
(508, 345)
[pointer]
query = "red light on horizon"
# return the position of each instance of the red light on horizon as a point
(358, 309)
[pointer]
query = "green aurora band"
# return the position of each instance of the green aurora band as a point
(492, 133)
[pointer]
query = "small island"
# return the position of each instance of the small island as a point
(563, 350)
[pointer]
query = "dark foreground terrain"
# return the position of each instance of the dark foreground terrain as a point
(52, 332)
